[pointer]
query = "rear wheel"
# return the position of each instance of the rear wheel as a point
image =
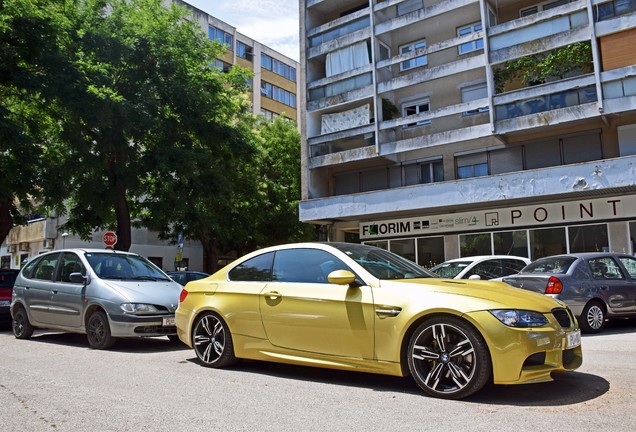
(22, 328)
(98, 331)
(448, 358)
(592, 319)
(213, 342)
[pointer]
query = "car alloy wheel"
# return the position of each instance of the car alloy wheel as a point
(448, 358)
(593, 318)
(213, 342)
(98, 331)
(22, 328)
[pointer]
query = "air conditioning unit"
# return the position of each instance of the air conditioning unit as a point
(13, 248)
(48, 243)
(24, 247)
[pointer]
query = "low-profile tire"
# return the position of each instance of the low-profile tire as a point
(212, 341)
(22, 328)
(592, 319)
(448, 358)
(98, 331)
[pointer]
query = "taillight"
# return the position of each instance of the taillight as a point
(183, 295)
(555, 286)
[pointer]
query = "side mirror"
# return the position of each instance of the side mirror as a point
(341, 277)
(77, 277)
(474, 277)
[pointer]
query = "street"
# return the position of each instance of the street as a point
(55, 382)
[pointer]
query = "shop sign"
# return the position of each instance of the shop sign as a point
(510, 217)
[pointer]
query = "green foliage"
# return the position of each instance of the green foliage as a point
(541, 67)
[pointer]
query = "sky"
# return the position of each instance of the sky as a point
(271, 22)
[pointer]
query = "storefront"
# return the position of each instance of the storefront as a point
(533, 231)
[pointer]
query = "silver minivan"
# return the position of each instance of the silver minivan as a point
(105, 294)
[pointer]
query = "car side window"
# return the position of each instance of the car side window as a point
(180, 278)
(45, 268)
(630, 266)
(71, 263)
(258, 268)
(305, 265)
(489, 269)
(605, 268)
(512, 266)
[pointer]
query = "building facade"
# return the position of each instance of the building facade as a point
(447, 128)
(276, 84)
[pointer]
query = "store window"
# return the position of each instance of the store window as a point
(547, 241)
(475, 244)
(588, 238)
(511, 243)
(382, 244)
(430, 251)
(404, 248)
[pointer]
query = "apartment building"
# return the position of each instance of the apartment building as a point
(447, 128)
(276, 82)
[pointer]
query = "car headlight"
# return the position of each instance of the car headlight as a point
(142, 308)
(520, 318)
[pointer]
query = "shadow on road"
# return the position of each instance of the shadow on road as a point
(566, 389)
(133, 345)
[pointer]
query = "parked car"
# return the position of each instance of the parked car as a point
(7, 278)
(183, 277)
(481, 267)
(103, 293)
(361, 308)
(595, 286)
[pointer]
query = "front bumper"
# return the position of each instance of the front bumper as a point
(146, 326)
(529, 355)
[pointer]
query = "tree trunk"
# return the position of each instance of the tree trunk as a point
(6, 221)
(122, 213)
(211, 256)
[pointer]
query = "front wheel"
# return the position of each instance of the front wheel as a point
(22, 328)
(98, 331)
(448, 358)
(592, 319)
(213, 342)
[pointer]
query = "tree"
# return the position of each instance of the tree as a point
(258, 207)
(143, 92)
(32, 64)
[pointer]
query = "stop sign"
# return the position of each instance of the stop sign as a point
(109, 238)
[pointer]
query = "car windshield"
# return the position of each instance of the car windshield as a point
(124, 267)
(450, 269)
(555, 264)
(381, 263)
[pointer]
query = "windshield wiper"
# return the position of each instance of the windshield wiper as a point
(150, 278)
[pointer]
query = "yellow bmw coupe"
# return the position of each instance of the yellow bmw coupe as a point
(355, 307)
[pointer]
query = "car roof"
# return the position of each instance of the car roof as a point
(588, 255)
(485, 257)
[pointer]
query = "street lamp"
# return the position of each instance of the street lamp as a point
(64, 235)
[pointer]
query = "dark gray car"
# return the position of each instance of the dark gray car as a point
(103, 293)
(596, 286)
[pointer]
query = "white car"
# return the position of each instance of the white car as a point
(481, 267)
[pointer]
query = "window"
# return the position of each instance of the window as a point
(605, 268)
(222, 66)
(316, 265)
(414, 62)
(630, 265)
(215, 34)
(510, 243)
(71, 263)
(337, 32)
(413, 108)
(46, 267)
(614, 8)
(588, 238)
(541, 7)
(244, 51)
(474, 244)
(278, 67)
(473, 165)
(278, 94)
(473, 45)
(547, 241)
(254, 269)
(409, 6)
(431, 172)
(475, 92)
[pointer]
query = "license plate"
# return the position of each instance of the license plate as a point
(574, 339)
(5, 302)
(168, 322)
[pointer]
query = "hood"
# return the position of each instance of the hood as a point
(152, 292)
(475, 294)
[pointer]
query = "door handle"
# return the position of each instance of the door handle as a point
(273, 295)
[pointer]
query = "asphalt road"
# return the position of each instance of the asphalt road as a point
(54, 382)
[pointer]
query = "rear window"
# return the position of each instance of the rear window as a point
(7, 278)
(549, 265)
